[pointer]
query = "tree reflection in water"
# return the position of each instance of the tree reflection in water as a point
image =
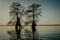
(26, 35)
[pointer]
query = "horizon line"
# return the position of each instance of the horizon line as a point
(36, 25)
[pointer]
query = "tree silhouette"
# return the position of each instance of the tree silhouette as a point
(36, 13)
(32, 14)
(16, 13)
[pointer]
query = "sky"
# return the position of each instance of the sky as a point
(50, 10)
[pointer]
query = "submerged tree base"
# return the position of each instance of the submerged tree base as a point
(26, 35)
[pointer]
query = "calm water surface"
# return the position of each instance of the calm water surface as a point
(45, 32)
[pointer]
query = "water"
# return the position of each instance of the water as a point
(45, 32)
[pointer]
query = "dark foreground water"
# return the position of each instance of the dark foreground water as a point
(45, 32)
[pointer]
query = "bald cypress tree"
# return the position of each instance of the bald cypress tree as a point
(34, 12)
(16, 13)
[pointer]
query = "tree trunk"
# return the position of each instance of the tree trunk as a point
(33, 25)
(18, 26)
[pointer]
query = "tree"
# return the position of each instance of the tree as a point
(16, 13)
(36, 13)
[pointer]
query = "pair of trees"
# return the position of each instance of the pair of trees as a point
(33, 13)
